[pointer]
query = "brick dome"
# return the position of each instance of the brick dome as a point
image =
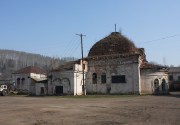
(115, 43)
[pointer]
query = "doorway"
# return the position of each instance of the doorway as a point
(42, 91)
(163, 86)
(59, 90)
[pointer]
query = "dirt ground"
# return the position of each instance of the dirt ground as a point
(98, 110)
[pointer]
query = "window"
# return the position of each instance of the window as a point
(84, 66)
(18, 83)
(156, 85)
(170, 77)
(94, 78)
(103, 78)
(118, 79)
(23, 80)
(178, 78)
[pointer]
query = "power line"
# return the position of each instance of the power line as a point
(162, 38)
(75, 49)
(69, 47)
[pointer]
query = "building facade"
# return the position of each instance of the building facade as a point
(174, 78)
(114, 66)
(117, 66)
(67, 79)
(154, 81)
(31, 80)
(113, 74)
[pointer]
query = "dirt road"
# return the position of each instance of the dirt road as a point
(115, 110)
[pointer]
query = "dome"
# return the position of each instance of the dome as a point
(115, 43)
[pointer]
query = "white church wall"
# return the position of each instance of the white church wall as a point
(128, 68)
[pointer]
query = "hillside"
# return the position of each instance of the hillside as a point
(11, 61)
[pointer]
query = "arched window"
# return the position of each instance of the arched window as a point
(23, 80)
(103, 78)
(18, 83)
(94, 78)
(156, 85)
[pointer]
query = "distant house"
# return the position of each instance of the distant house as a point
(67, 79)
(174, 78)
(31, 79)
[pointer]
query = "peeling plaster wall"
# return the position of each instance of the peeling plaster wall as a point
(78, 84)
(128, 67)
(38, 89)
(71, 80)
(65, 79)
(23, 85)
(147, 81)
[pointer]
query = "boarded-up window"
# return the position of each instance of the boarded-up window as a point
(94, 78)
(103, 78)
(118, 79)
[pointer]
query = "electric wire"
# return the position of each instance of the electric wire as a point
(159, 39)
(69, 47)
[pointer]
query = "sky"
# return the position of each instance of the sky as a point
(49, 27)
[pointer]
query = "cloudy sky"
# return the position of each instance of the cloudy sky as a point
(49, 27)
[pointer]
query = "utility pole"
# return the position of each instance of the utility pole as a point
(82, 58)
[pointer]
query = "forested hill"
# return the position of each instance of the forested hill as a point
(11, 61)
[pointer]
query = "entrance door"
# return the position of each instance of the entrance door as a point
(59, 90)
(42, 90)
(163, 86)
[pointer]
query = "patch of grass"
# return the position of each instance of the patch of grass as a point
(102, 96)
(87, 96)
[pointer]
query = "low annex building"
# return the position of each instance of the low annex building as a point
(31, 80)
(154, 79)
(67, 79)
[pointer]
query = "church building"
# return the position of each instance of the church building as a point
(114, 65)
(117, 66)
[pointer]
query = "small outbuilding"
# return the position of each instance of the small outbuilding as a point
(154, 79)
(32, 80)
(67, 79)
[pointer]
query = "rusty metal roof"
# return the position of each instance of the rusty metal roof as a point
(115, 43)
